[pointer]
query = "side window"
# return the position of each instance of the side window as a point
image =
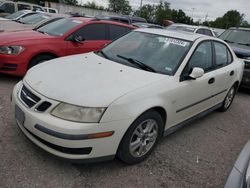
(8, 8)
(116, 31)
(52, 11)
(222, 55)
(202, 58)
(36, 8)
(92, 32)
(23, 7)
(200, 31)
(208, 32)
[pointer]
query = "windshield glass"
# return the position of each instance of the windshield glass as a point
(236, 36)
(15, 15)
(60, 27)
(161, 53)
(34, 19)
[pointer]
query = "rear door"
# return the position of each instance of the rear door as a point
(224, 73)
(94, 38)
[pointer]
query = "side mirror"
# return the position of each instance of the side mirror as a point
(196, 73)
(78, 39)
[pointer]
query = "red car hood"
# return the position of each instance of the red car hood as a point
(13, 37)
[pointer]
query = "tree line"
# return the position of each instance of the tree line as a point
(162, 11)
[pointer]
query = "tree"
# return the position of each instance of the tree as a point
(232, 18)
(162, 12)
(179, 16)
(147, 11)
(120, 6)
(71, 2)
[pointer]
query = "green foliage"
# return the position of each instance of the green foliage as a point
(178, 16)
(232, 18)
(147, 11)
(120, 6)
(162, 12)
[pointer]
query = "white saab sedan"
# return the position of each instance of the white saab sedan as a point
(121, 100)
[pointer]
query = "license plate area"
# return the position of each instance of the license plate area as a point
(19, 115)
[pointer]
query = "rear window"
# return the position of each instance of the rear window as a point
(34, 19)
(23, 7)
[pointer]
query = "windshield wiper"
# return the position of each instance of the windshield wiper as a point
(245, 44)
(103, 54)
(138, 63)
(228, 41)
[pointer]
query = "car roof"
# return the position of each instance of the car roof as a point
(240, 28)
(175, 34)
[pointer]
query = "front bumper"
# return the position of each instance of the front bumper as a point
(13, 64)
(72, 146)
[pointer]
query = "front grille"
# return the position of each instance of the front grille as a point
(43, 106)
(28, 97)
(8, 67)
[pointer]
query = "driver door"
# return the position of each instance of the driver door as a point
(94, 38)
(195, 96)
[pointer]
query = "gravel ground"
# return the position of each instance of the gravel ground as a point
(199, 155)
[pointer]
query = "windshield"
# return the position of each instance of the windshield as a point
(60, 27)
(236, 36)
(34, 19)
(160, 53)
(15, 15)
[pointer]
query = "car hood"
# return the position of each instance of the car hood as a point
(241, 51)
(3, 19)
(9, 25)
(87, 80)
(7, 38)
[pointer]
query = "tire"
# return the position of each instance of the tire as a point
(228, 99)
(39, 59)
(140, 139)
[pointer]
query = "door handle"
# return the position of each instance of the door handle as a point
(231, 73)
(211, 80)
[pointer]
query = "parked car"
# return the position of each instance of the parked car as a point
(18, 15)
(10, 7)
(30, 22)
(239, 40)
(121, 100)
(192, 28)
(240, 174)
(22, 50)
(122, 19)
(218, 31)
(50, 10)
(147, 25)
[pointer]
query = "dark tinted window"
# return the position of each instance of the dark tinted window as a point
(23, 7)
(208, 32)
(200, 31)
(116, 31)
(35, 8)
(201, 58)
(8, 7)
(52, 11)
(222, 55)
(92, 32)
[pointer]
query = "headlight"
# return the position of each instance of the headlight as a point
(78, 113)
(11, 50)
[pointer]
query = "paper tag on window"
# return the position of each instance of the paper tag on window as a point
(177, 42)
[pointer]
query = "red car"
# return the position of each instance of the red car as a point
(20, 51)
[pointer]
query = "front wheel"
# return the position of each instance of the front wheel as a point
(228, 99)
(39, 59)
(141, 138)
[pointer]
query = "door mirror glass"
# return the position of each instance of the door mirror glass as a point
(78, 39)
(196, 73)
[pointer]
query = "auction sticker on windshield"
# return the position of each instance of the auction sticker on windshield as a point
(177, 42)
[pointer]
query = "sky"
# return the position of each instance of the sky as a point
(197, 9)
